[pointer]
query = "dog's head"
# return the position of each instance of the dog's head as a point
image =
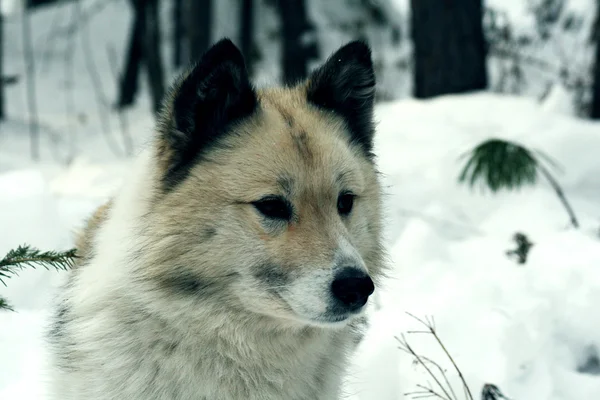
(269, 199)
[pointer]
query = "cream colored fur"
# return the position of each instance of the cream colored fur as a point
(125, 331)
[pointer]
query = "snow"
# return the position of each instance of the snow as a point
(8, 7)
(533, 330)
(526, 328)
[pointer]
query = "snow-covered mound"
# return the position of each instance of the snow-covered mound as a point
(531, 329)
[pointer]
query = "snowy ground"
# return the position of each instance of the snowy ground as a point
(533, 330)
(528, 329)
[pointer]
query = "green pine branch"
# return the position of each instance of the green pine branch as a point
(28, 257)
(4, 305)
(501, 164)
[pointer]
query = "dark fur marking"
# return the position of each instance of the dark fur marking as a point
(135, 255)
(359, 326)
(63, 347)
(286, 184)
(208, 233)
(57, 327)
(319, 372)
(345, 84)
(168, 347)
(215, 95)
(301, 142)
(287, 117)
(271, 274)
(171, 347)
(188, 284)
(344, 178)
(371, 228)
(185, 283)
(154, 375)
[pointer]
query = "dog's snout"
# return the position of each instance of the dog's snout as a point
(352, 287)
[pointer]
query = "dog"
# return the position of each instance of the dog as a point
(238, 258)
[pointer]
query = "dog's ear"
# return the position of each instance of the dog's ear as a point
(215, 94)
(345, 84)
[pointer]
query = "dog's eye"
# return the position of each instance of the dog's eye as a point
(345, 203)
(274, 208)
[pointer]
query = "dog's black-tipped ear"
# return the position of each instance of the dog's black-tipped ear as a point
(345, 84)
(215, 94)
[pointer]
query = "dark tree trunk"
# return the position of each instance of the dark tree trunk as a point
(449, 47)
(152, 54)
(199, 28)
(129, 80)
(2, 112)
(595, 106)
(296, 52)
(178, 34)
(144, 48)
(33, 4)
(247, 32)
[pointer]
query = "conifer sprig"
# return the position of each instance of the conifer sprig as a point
(28, 257)
(501, 164)
(4, 305)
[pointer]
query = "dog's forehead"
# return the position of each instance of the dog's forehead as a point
(300, 128)
(304, 140)
(287, 147)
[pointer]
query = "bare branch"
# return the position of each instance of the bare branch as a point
(101, 101)
(31, 87)
(430, 324)
(407, 348)
(123, 124)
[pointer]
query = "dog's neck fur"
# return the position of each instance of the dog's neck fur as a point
(218, 353)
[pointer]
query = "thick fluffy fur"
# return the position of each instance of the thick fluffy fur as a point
(185, 289)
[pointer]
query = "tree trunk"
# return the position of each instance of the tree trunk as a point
(144, 47)
(178, 34)
(129, 81)
(2, 112)
(296, 52)
(449, 47)
(34, 4)
(152, 54)
(595, 106)
(199, 28)
(247, 32)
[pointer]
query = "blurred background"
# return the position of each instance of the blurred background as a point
(75, 70)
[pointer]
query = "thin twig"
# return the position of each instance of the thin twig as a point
(430, 324)
(47, 47)
(31, 87)
(431, 391)
(407, 348)
(85, 17)
(443, 373)
(101, 102)
(121, 113)
(69, 57)
(561, 195)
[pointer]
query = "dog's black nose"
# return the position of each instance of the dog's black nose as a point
(352, 287)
